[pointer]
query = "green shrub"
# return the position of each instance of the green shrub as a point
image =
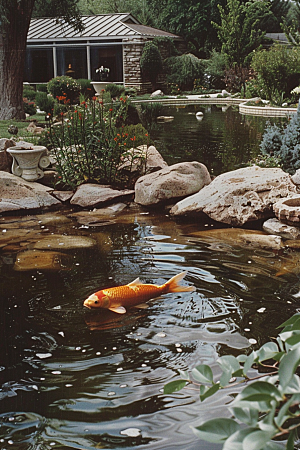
(29, 93)
(214, 70)
(29, 106)
(45, 102)
(151, 62)
(130, 91)
(138, 134)
(86, 87)
(115, 90)
(275, 67)
(284, 143)
(64, 87)
(42, 87)
(183, 70)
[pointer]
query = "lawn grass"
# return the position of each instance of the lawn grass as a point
(22, 125)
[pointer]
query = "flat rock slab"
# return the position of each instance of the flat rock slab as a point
(57, 242)
(88, 195)
(18, 194)
(42, 260)
(240, 196)
(99, 217)
(274, 226)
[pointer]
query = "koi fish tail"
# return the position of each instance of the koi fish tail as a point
(173, 284)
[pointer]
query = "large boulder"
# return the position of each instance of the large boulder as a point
(88, 195)
(240, 196)
(18, 194)
(172, 182)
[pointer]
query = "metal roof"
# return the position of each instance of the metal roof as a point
(101, 26)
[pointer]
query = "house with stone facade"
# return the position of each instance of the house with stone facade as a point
(114, 41)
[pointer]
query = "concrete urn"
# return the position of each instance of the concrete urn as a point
(29, 163)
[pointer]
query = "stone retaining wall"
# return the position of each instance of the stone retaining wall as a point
(267, 111)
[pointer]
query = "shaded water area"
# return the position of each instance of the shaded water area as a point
(222, 139)
(81, 379)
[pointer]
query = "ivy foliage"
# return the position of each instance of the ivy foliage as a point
(266, 408)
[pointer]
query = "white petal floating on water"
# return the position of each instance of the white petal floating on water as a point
(131, 432)
(252, 341)
(43, 355)
(261, 310)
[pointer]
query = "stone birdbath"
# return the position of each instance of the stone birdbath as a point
(29, 163)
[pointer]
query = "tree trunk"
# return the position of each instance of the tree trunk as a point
(13, 37)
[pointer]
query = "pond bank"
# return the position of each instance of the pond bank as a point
(266, 111)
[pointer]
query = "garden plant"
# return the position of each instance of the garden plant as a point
(265, 409)
(90, 142)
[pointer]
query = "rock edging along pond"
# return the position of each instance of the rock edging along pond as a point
(234, 198)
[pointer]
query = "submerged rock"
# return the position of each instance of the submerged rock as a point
(172, 182)
(239, 237)
(61, 242)
(240, 196)
(42, 260)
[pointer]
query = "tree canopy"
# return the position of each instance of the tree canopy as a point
(241, 29)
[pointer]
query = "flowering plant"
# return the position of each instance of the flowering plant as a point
(103, 72)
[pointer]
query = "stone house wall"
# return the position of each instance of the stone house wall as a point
(132, 52)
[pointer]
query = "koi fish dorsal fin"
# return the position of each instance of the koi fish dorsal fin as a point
(135, 282)
(173, 284)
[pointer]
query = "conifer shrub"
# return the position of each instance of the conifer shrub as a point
(284, 143)
(45, 102)
(151, 62)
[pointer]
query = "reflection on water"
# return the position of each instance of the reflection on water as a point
(223, 140)
(76, 378)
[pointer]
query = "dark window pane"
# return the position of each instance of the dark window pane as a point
(38, 65)
(110, 57)
(74, 56)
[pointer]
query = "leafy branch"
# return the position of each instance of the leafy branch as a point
(266, 408)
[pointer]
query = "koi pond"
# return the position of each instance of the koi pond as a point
(73, 378)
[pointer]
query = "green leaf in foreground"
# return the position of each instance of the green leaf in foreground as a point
(203, 374)
(216, 430)
(174, 386)
(288, 366)
(206, 391)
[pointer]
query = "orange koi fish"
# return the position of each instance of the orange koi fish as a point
(117, 298)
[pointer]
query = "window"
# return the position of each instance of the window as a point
(107, 56)
(72, 61)
(38, 65)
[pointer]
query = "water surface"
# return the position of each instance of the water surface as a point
(76, 378)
